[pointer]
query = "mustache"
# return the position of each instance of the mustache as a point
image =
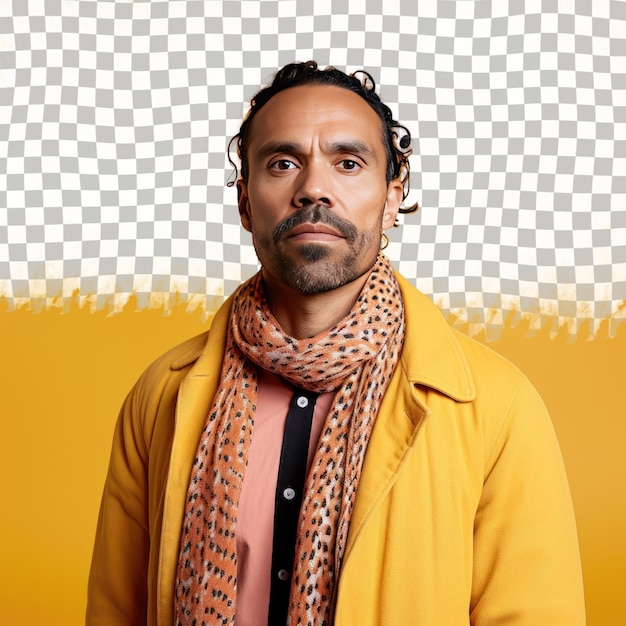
(316, 214)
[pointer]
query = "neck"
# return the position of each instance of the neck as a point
(306, 315)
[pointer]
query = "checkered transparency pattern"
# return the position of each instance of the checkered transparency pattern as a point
(115, 118)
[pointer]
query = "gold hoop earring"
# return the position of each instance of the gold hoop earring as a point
(384, 241)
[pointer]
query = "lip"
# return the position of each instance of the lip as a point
(317, 232)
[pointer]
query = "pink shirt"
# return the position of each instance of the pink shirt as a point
(255, 518)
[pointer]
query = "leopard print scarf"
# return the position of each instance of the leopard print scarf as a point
(356, 358)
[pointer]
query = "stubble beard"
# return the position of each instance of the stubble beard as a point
(317, 268)
(317, 271)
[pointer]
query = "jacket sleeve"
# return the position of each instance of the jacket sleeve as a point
(117, 589)
(527, 567)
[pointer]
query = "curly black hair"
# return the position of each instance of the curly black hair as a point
(396, 137)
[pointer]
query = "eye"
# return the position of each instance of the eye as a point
(349, 165)
(282, 165)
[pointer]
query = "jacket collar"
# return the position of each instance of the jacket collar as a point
(207, 344)
(431, 355)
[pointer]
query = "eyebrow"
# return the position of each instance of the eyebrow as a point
(337, 147)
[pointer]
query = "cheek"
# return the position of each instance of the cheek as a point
(262, 225)
(372, 214)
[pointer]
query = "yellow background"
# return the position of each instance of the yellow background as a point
(64, 377)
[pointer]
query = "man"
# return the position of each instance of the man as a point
(330, 451)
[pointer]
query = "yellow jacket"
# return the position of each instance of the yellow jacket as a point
(463, 513)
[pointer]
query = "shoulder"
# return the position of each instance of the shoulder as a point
(487, 365)
(158, 386)
(152, 398)
(503, 392)
(444, 358)
(469, 388)
(183, 355)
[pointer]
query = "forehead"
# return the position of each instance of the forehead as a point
(303, 113)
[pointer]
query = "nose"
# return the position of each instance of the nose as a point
(313, 186)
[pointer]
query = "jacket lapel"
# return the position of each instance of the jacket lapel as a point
(195, 397)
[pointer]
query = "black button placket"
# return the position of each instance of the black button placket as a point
(289, 490)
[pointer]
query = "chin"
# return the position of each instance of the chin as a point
(322, 276)
(317, 268)
(310, 286)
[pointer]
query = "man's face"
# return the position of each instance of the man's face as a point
(316, 200)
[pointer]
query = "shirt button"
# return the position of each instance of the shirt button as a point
(302, 402)
(283, 574)
(289, 493)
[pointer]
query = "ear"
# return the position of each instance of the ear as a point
(244, 205)
(392, 204)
